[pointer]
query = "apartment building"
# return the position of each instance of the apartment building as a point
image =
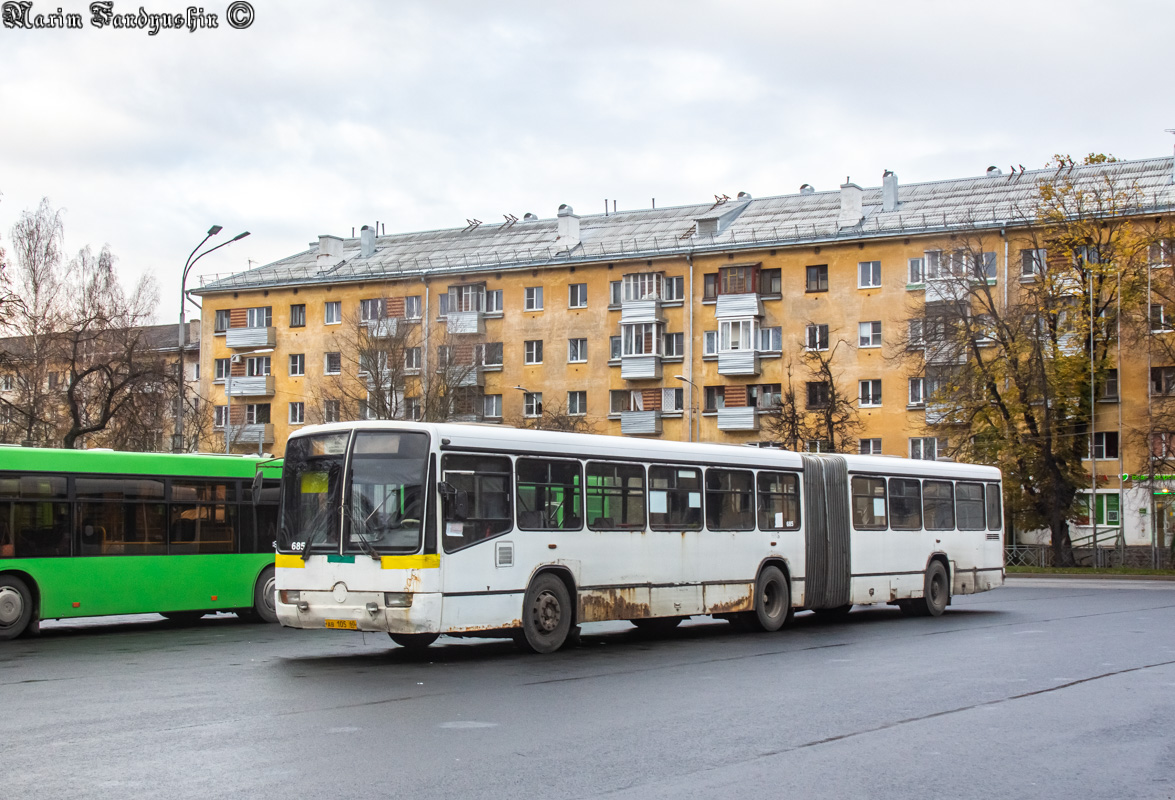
(688, 323)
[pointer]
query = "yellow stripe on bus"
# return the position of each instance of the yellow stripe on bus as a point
(432, 561)
(287, 561)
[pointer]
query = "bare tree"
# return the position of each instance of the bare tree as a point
(821, 410)
(555, 417)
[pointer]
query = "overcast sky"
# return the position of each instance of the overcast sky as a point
(321, 117)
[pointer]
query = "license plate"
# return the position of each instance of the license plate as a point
(342, 624)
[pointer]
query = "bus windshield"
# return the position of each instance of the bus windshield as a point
(385, 504)
(313, 486)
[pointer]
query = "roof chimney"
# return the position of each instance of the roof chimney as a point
(529, 217)
(994, 171)
(366, 241)
(850, 206)
(330, 251)
(889, 191)
(568, 227)
(807, 188)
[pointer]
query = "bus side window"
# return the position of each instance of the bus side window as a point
(779, 501)
(549, 494)
(969, 503)
(869, 507)
(994, 520)
(905, 504)
(675, 498)
(939, 505)
(730, 500)
(477, 506)
(615, 496)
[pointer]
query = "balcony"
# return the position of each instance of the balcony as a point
(947, 290)
(382, 328)
(250, 337)
(738, 362)
(465, 376)
(465, 322)
(731, 306)
(638, 311)
(244, 435)
(640, 423)
(639, 368)
(259, 386)
(739, 418)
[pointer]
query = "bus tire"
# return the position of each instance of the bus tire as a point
(772, 600)
(936, 592)
(655, 625)
(16, 606)
(265, 597)
(414, 642)
(546, 615)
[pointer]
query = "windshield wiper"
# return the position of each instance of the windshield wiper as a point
(367, 547)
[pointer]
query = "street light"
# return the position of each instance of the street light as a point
(693, 407)
(177, 441)
(228, 397)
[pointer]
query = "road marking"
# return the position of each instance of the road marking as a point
(467, 723)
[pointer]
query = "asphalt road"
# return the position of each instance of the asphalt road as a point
(1041, 689)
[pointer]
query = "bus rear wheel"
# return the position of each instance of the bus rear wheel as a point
(16, 607)
(414, 642)
(936, 594)
(264, 599)
(546, 615)
(773, 607)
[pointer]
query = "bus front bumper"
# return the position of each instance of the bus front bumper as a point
(384, 612)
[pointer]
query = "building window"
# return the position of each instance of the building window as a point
(817, 278)
(577, 403)
(412, 308)
(297, 413)
(925, 448)
(869, 447)
(818, 394)
(576, 351)
(532, 404)
(615, 292)
(9, 382)
(491, 354)
(916, 274)
(533, 351)
(330, 411)
(672, 399)
(736, 334)
(412, 358)
(816, 337)
(770, 281)
(257, 367)
(534, 299)
(613, 347)
(870, 393)
(1110, 386)
(710, 343)
(257, 414)
(868, 274)
(219, 416)
(493, 301)
(917, 391)
(674, 287)
(710, 286)
(1032, 262)
(1159, 321)
(221, 367)
(817, 446)
(642, 286)
(736, 280)
(371, 310)
(413, 408)
(1162, 380)
(1105, 444)
(621, 400)
(261, 317)
(492, 406)
(298, 316)
(713, 398)
(869, 334)
(642, 339)
(674, 345)
(765, 396)
(771, 339)
(333, 312)
(223, 319)
(332, 364)
(577, 295)
(297, 364)
(463, 298)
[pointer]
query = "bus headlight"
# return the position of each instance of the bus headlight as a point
(289, 596)
(397, 599)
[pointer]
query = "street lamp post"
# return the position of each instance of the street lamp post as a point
(177, 443)
(693, 407)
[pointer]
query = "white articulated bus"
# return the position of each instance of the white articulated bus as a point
(422, 529)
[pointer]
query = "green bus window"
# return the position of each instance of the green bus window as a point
(37, 529)
(203, 491)
(675, 498)
(779, 501)
(118, 528)
(203, 528)
(615, 496)
(905, 504)
(730, 500)
(969, 503)
(994, 521)
(869, 506)
(550, 494)
(476, 499)
(118, 489)
(938, 504)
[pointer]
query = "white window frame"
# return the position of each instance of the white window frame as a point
(615, 348)
(643, 286)
(633, 339)
(869, 447)
(372, 309)
(869, 337)
(869, 393)
(532, 351)
(577, 295)
(577, 403)
(221, 367)
(771, 339)
(492, 406)
(493, 301)
(678, 348)
(259, 317)
(412, 307)
(533, 298)
(412, 358)
(917, 274)
(219, 415)
(920, 446)
(577, 351)
(672, 399)
(257, 366)
(1097, 447)
(917, 392)
(297, 365)
(297, 413)
(615, 293)
(1033, 262)
(532, 404)
(326, 358)
(709, 343)
(812, 337)
(332, 312)
(868, 274)
(746, 338)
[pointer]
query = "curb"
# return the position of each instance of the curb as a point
(1011, 576)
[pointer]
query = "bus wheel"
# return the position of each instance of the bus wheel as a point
(16, 606)
(937, 591)
(657, 624)
(414, 642)
(772, 600)
(264, 597)
(546, 615)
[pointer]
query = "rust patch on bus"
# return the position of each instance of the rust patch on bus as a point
(412, 585)
(606, 604)
(738, 604)
(515, 623)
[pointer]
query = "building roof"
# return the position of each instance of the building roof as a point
(991, 200)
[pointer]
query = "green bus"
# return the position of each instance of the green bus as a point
(87, 533)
